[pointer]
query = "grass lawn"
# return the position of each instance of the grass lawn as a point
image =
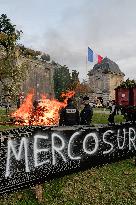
(113, 184)
(110, 184)
(5, 118)
(102, 118)
(98, 118)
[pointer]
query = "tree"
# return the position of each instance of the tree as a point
(128, 84)
(82, 89)
(11, 73)
(8, 34)
(74, 82)
(28, 52)
(62, 79)
(45, 57)
(54, 63)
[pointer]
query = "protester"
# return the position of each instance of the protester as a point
(87, 112)
(112, 113)
(18, 102)
(22, 97)
(69, 115)
(8, 104)
(35, 103)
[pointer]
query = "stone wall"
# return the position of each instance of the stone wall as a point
(115, 81)
(99, 85)
(39, 77)
(103, 85)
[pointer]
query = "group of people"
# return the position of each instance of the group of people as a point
(70, 115)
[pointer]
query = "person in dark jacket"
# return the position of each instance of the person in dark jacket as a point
(87, 112)
(18, 102)
(112, 113)
(69, 116)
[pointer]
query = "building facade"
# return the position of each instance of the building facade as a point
(39, 77)
(103, 79)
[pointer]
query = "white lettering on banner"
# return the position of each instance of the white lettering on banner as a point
(37, 151)
(11, 147)
(132, 140)
(57, 149)
(69, 147)
(104, 140)
(94, 136)
(70, 110)
(120, 136)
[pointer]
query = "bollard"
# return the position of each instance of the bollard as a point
(38, 190)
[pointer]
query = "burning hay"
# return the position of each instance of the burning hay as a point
(45, 113)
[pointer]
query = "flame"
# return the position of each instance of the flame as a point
(24, 112)
(67, 95)
(46, 113)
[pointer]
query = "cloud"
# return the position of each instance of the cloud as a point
(129, 67)
(65, 29)
(107, 27)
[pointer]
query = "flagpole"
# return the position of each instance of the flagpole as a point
(86, 66)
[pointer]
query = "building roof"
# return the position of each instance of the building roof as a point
(106, 66)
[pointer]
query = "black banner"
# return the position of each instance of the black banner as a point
(31, 155)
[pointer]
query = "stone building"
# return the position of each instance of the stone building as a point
(103, 79)
(38, 77)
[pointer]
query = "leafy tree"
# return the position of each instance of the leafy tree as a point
(128, 84)
(11, 73)
(45, 57)
(53, 63)
(82, 89)
(28, 52)
(62, 80)
(74, 82)
(8, 34)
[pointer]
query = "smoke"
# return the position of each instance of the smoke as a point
(108, 27)
(64, 29)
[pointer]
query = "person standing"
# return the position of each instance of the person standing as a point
(69, 115)
(8, 104)
(112, 113)
(22, 97)
(87, 112)
(18, 102)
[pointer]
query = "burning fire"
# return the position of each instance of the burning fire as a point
(45, 113)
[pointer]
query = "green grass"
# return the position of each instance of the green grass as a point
(7, 127)
(5, 118)
(98, 118)
(102, 118)
(113, 184)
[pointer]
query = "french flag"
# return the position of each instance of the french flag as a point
(93, 57)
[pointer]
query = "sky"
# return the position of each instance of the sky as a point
(65, 28)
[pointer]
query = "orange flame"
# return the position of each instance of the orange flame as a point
(67, 95)
(46, 113)
(24, 112)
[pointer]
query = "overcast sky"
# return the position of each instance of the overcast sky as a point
(65, 28)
